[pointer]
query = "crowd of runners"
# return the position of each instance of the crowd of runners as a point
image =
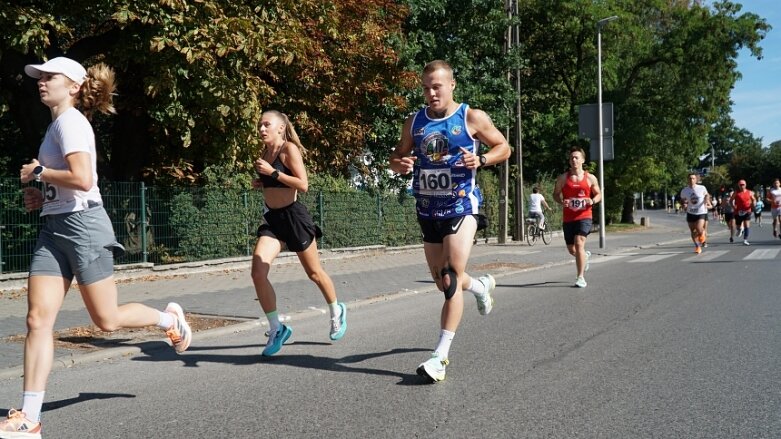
(735, 208)
(442, 145)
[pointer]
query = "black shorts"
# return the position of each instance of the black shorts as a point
(740, 218)
(693, 218)
(573, 228)
(434, 231)
(729, 216)
(292, 225)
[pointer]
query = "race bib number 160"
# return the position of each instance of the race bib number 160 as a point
(435, 182)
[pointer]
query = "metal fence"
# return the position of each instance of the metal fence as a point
(182, 224)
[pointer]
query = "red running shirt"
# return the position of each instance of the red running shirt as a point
(577, 192)
(743, 202)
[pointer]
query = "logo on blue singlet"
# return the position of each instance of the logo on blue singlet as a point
(435, 147)
(456, 130)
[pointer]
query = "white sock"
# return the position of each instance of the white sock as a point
(166, 320)
(32, 402)
(273, 321)
(336, 310)
(445, 338)
(476, 287)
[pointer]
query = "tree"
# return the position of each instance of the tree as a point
(195, 75)
(667, 67)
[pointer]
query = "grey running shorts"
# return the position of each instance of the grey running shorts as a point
(80, 244)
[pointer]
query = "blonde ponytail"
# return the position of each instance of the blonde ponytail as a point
(97, 91)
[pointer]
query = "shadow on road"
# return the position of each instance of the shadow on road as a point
(191, 359)
(54, 405)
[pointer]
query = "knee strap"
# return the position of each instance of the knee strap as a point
(450, 289)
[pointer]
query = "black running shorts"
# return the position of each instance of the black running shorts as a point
(292, 225)
(573, 228)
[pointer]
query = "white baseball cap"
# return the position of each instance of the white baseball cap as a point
(61, 65)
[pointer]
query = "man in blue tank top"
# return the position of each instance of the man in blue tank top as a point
(440, 146)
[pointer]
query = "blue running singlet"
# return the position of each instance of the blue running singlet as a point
(442, 185)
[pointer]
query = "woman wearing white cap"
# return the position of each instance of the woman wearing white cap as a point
(77, 238)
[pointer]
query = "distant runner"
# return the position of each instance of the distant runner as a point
(696, 201)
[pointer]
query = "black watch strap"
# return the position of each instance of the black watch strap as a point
(275, 174)
(483, 160)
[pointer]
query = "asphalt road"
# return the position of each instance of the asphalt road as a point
(660, 344)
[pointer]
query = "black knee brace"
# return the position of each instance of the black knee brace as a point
(451, 288)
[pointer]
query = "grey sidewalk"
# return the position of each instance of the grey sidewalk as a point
(360, 276)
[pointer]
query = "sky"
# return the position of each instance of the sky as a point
(757, 95)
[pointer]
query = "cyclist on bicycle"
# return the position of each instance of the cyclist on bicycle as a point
(537, 206)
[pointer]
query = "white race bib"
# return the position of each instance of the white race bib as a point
(51, 195)
(435, 182)
(578, 203)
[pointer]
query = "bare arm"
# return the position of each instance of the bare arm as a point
(596, 192)
(481, 127)
(401, 161)
(557, 189)
(291, 158)
(77, 176)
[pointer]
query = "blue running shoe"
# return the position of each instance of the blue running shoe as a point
(339, 325)
(276, 340)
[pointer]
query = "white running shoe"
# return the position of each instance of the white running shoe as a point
(745, 242)
(433, 368)
(485, 301)
(580, 282)
(179, 333)
(588, 260)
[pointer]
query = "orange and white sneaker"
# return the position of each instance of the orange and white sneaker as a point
(179, 333)
(697, 249)
(17, 426)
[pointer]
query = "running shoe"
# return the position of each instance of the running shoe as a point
(745, 242)
(580, 282)
(179, 333)
(775, 233)
(433, 368)
(339, 324)
(704, 244)
(276, 340)
(697, 249)
(485, 301)
(588, 260)
(16, 425)
(731, 240)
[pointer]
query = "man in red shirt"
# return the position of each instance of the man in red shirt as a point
(577, 191)
(743, 201)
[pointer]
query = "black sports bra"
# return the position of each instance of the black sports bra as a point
(270, 182)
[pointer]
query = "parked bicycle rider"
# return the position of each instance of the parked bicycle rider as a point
(537, 207)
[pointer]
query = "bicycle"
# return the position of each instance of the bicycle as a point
(533, 232)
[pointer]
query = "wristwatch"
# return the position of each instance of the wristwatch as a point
(275, 174)
(38, 171)
(483, 160)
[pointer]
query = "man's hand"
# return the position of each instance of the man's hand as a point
(403, 165)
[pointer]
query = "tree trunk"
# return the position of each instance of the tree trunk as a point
(628, 210)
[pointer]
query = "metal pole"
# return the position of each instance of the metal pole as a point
(144, 249)
(600, 154)
(519, 201)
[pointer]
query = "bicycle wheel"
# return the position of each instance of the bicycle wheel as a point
(531, 234)
(547, 234)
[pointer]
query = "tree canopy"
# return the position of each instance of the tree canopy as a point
(194, 76)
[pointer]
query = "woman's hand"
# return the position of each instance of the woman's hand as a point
(33, 198)
(26, 173)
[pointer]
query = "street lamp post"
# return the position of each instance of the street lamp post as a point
(600, 154)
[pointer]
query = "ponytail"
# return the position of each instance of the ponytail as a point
(97, 91)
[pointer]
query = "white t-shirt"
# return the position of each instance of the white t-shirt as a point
(695, 198)
(535, 203)
(775, 195)
(70, 132)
